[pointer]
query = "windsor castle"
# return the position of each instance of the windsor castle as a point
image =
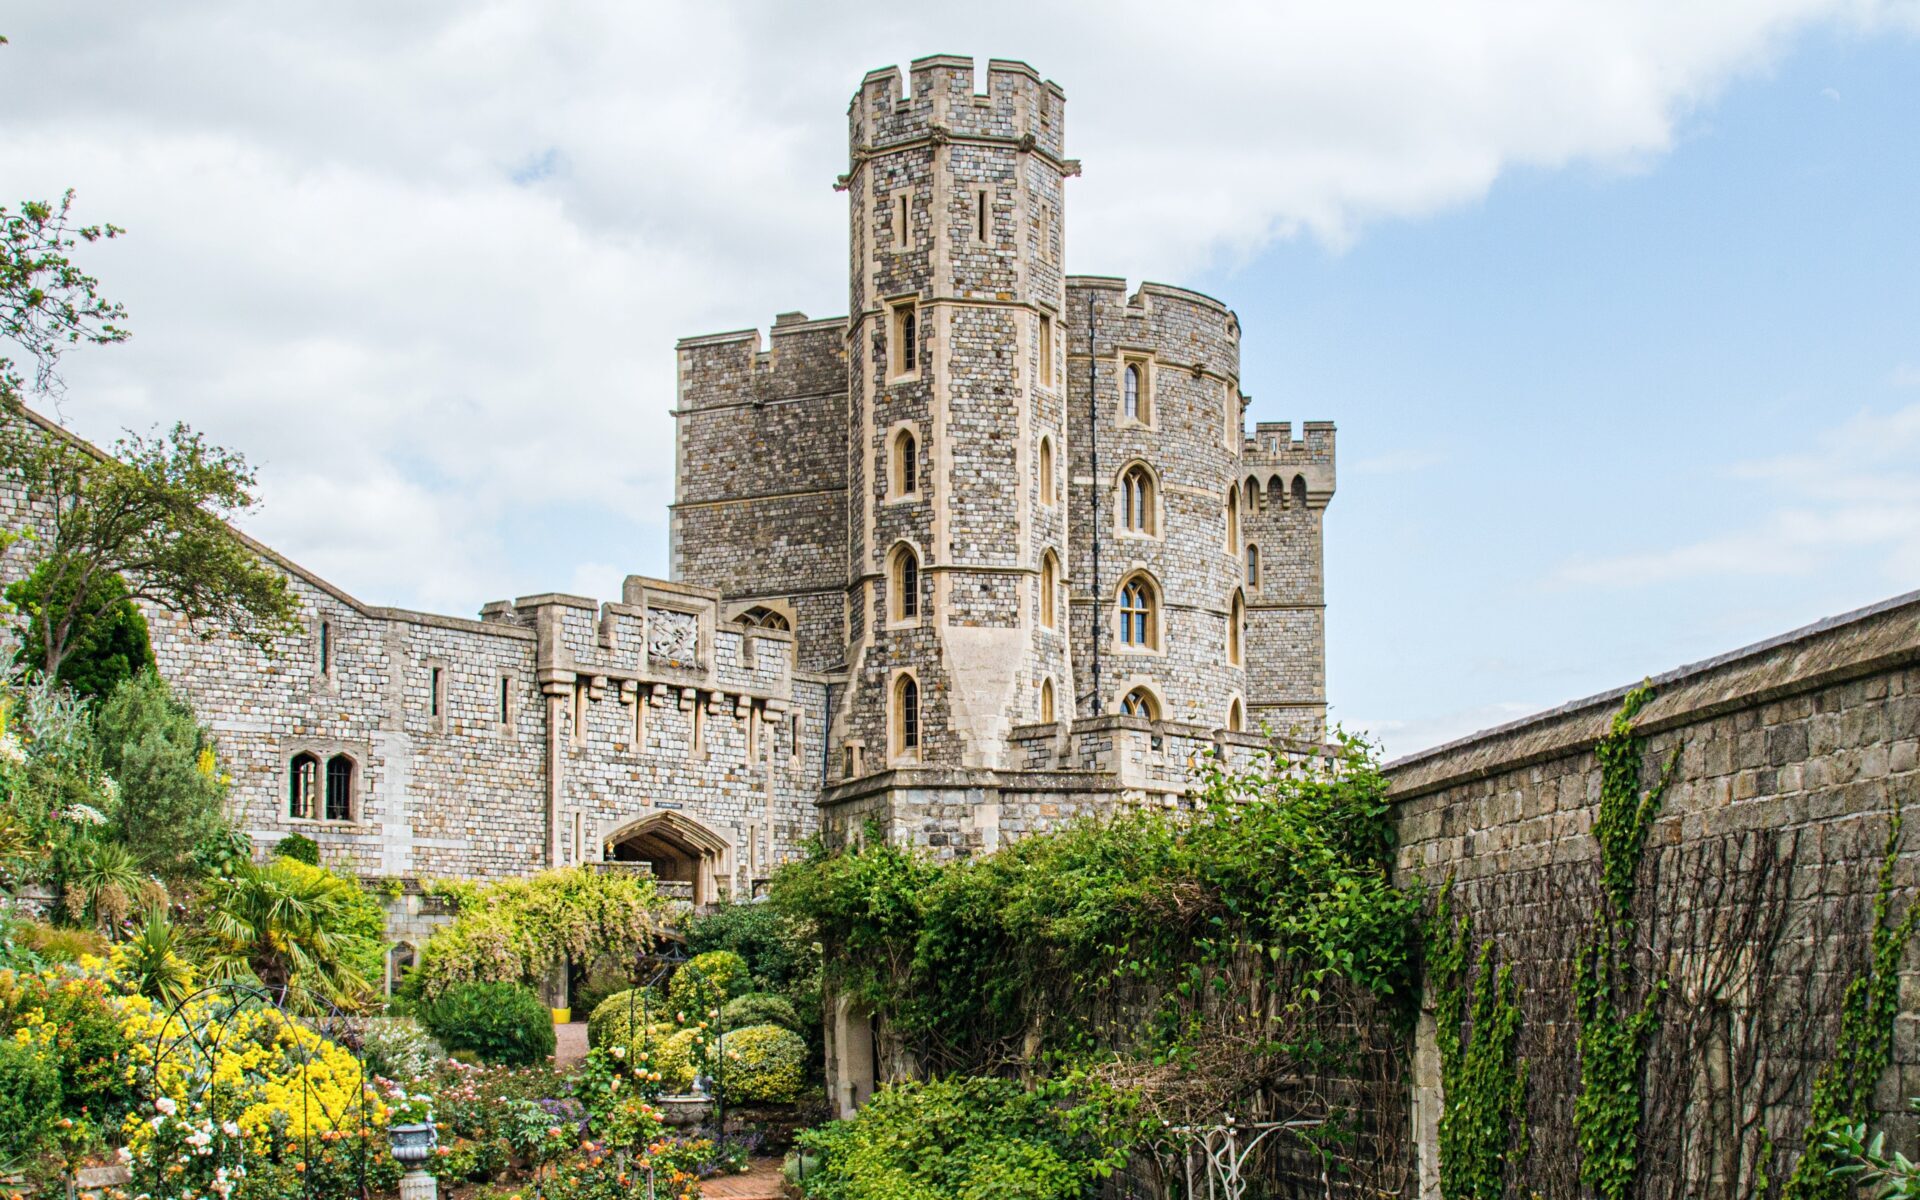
(991, 551)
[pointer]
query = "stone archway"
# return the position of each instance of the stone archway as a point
(678, 849)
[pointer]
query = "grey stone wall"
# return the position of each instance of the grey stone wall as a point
(1755, 893)
(1284, 494)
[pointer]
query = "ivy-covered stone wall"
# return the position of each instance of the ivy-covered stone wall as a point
(1755, 898)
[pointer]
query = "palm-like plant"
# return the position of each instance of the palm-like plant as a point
(150, 959)
(100, 882)
(280, 924)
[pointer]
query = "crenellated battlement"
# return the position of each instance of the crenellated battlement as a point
(1277, 465)
(796, 358)
(941, 101)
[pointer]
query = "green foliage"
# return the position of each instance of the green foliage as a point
(964, 1138)
(297, 929)
(1863, 1163)
(150, 959)
(172, 794)
(1614, 1026)
(1483, 1127)
(30, 1095)
(1843, 1090)
(47, 303)
(517, 929)
(762, 1064)
(677, 1057)
(500, 1022)
(110, 644)
(298, 847)
(613, 1020)
(707, 981)
(759, 1008)
(777, 956)
(152, 512)
(1283, 864)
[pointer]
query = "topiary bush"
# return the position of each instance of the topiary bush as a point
(675, 1058)
(499, 1022)
(759, 1008)
(707, 981)
(613, 1020)
(300, 848)
(30, 1095)
(763, 1064)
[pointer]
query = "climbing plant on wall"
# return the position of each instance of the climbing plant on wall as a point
(1483, 1122)
(1843, 1091)
(1615, 1014)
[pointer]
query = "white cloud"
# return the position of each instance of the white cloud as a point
(426, 263)
(1855, 489)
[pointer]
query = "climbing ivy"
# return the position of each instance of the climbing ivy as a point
(1843, 1091)
(1483, 1123)
(1614, 1025)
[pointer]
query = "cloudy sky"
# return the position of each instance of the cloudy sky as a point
(1617, 305)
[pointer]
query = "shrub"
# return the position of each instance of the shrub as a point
(707, 981)
(759, 1008)
(298, 847)
(109, 643)
(969, 1137)
(59, 943)
(500, 1022)
(29, 1100)
(612, 1021)
(398, 1048)
(517, 929)
(776, 953)
(763, 1064)
(69, 1017)
(172, 793)
(299, 926)
(675, 1058)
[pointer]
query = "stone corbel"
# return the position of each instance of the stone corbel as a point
(597, 687)
(687, 697)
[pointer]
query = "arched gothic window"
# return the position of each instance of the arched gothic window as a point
(303, 787)
(904, 584)
(1253, 565)
(1300, 490)
(1236, 717)
(340, 788)
(1050, 590)
(1046, 701)
(906, 716)
(1136, 499)
(906, 463)
(1133, 402)
(1233, 518)
(1139, 703)
(1137, 614)
(1046, 472)
(1236, 629)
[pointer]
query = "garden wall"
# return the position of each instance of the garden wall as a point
(1755, 899)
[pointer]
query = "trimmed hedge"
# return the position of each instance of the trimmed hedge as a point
(608, 1024)
(759, 1008)
(499, 1022)
(707, 981)
(763, 1064)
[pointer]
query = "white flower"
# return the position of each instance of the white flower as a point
(124, 1154)
(83, 814)
(110, 787)
(10, 748)
(232, 1128)
(165, 1106)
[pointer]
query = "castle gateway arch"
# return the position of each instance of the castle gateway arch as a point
(678, 848)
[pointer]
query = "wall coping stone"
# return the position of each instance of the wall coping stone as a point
(1866, 641)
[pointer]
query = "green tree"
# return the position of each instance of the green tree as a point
(154, 513)
(48, 304)
(107, 649)
(172, 795)
(302, 932)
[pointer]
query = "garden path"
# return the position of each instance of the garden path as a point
(761, 1182)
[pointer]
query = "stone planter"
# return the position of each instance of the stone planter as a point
(684, 1110)
(412, 1144)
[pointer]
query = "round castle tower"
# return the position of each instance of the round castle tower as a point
(1159, 626)
(956, 500)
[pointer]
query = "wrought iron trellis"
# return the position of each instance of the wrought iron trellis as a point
(1214, 1156)
(200, 1041)
(658, 967)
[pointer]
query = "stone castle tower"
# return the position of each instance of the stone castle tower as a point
(1010, 516)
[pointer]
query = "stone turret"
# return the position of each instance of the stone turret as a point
(955, 399)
